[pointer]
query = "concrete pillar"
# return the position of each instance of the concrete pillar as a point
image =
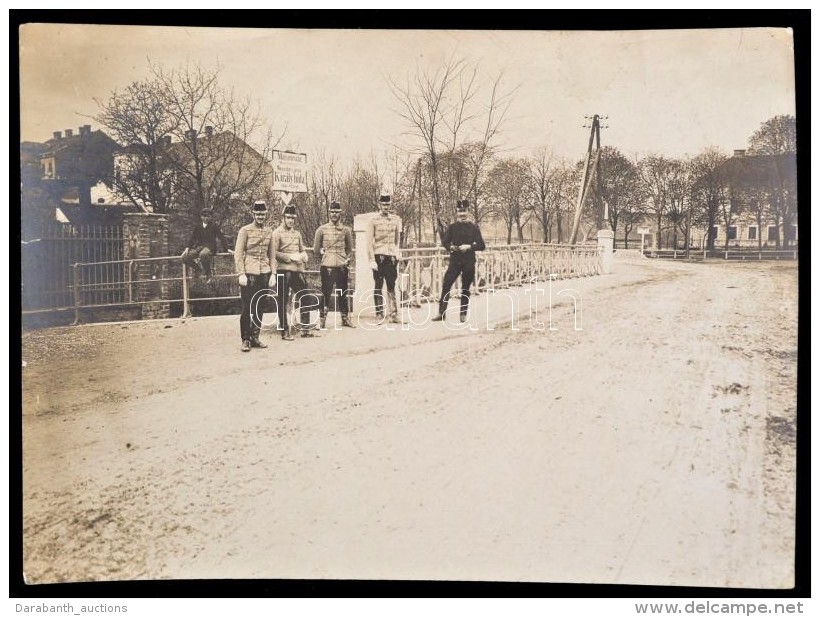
(147, 236)
(364, 275)
(606, 244)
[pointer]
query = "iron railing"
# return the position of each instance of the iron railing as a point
(157, 280)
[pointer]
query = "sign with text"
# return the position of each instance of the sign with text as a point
(289, 171)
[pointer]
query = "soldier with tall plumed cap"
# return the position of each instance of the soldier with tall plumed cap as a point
(291, 257)
(384, 236)
(253, 259)
(462, 238)
(334, 242)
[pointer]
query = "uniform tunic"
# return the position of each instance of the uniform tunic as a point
(253, 257)
(253, 253)
(462, 263)
(287, 245)
(337, 242)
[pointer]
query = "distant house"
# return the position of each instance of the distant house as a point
(78, 161)
(58, 177)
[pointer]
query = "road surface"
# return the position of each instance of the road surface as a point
(654, 445)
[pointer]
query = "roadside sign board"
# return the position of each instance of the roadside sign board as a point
(289, 171)
(644, 230)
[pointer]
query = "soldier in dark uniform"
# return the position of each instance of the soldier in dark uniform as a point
(253, 258)
(333, 242)
(462, 238)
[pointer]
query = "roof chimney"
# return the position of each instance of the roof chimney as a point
(58, 135)
(167, 140)
(69, 132)
(190, 135)
(740, 153)
(85, 129)
(209, 131)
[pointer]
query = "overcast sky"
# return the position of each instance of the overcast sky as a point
(673, 92)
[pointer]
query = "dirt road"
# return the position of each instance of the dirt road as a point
(655, 445)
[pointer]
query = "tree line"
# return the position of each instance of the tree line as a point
(190, 143)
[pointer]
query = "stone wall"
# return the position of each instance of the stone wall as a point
(147, 237)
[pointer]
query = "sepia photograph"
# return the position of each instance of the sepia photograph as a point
(505, 306)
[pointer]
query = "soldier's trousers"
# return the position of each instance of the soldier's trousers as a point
(334, 277)
(458, 267)
(288, 281)
(386, 272)
(253, 305)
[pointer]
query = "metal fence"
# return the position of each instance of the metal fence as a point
(167, 281)
(730, 255)
(421, 271)
(46, 263)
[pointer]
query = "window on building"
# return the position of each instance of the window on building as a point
(731, 232)
(791, 232)
(772, 237)
(752, 233)
(714, 232)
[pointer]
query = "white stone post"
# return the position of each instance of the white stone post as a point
(364, 275)
(606, 244)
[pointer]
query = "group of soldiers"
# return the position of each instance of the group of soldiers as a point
(269, 260)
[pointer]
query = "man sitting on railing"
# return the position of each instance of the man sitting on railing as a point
(202, 245)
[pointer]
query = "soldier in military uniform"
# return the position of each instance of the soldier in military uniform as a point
(334, 243)
(462, 238)
(253, 259)
(291, 257)
(384, 236)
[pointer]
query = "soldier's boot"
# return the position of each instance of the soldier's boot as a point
(393, 308)
(255, 342)
(322, 321)
(346, 321)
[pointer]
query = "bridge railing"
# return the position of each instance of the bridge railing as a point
(421, 271)
(157, 283)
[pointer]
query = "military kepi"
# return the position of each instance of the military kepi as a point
(289, 209)
(463, 205)
(259, 206)
(335, 206)
(384, 199)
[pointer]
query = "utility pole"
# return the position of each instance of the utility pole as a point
(590, 172)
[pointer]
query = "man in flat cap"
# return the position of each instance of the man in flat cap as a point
(253, 258)
(202, 245)
(384, 236)
(291, 257)
(334, 242)
(462, 238)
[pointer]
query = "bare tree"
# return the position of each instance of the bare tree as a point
(438, 108)
(550, 183)
(655, 173)
(138, 118)
(426, 107)
(777, 139)
(223, 144)
(708, 189)
(620, 189)
(509, 189)
(777, 135)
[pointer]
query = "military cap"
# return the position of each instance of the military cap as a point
(259, 206)
(335, 206)
(289, 209)
(463, 205)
